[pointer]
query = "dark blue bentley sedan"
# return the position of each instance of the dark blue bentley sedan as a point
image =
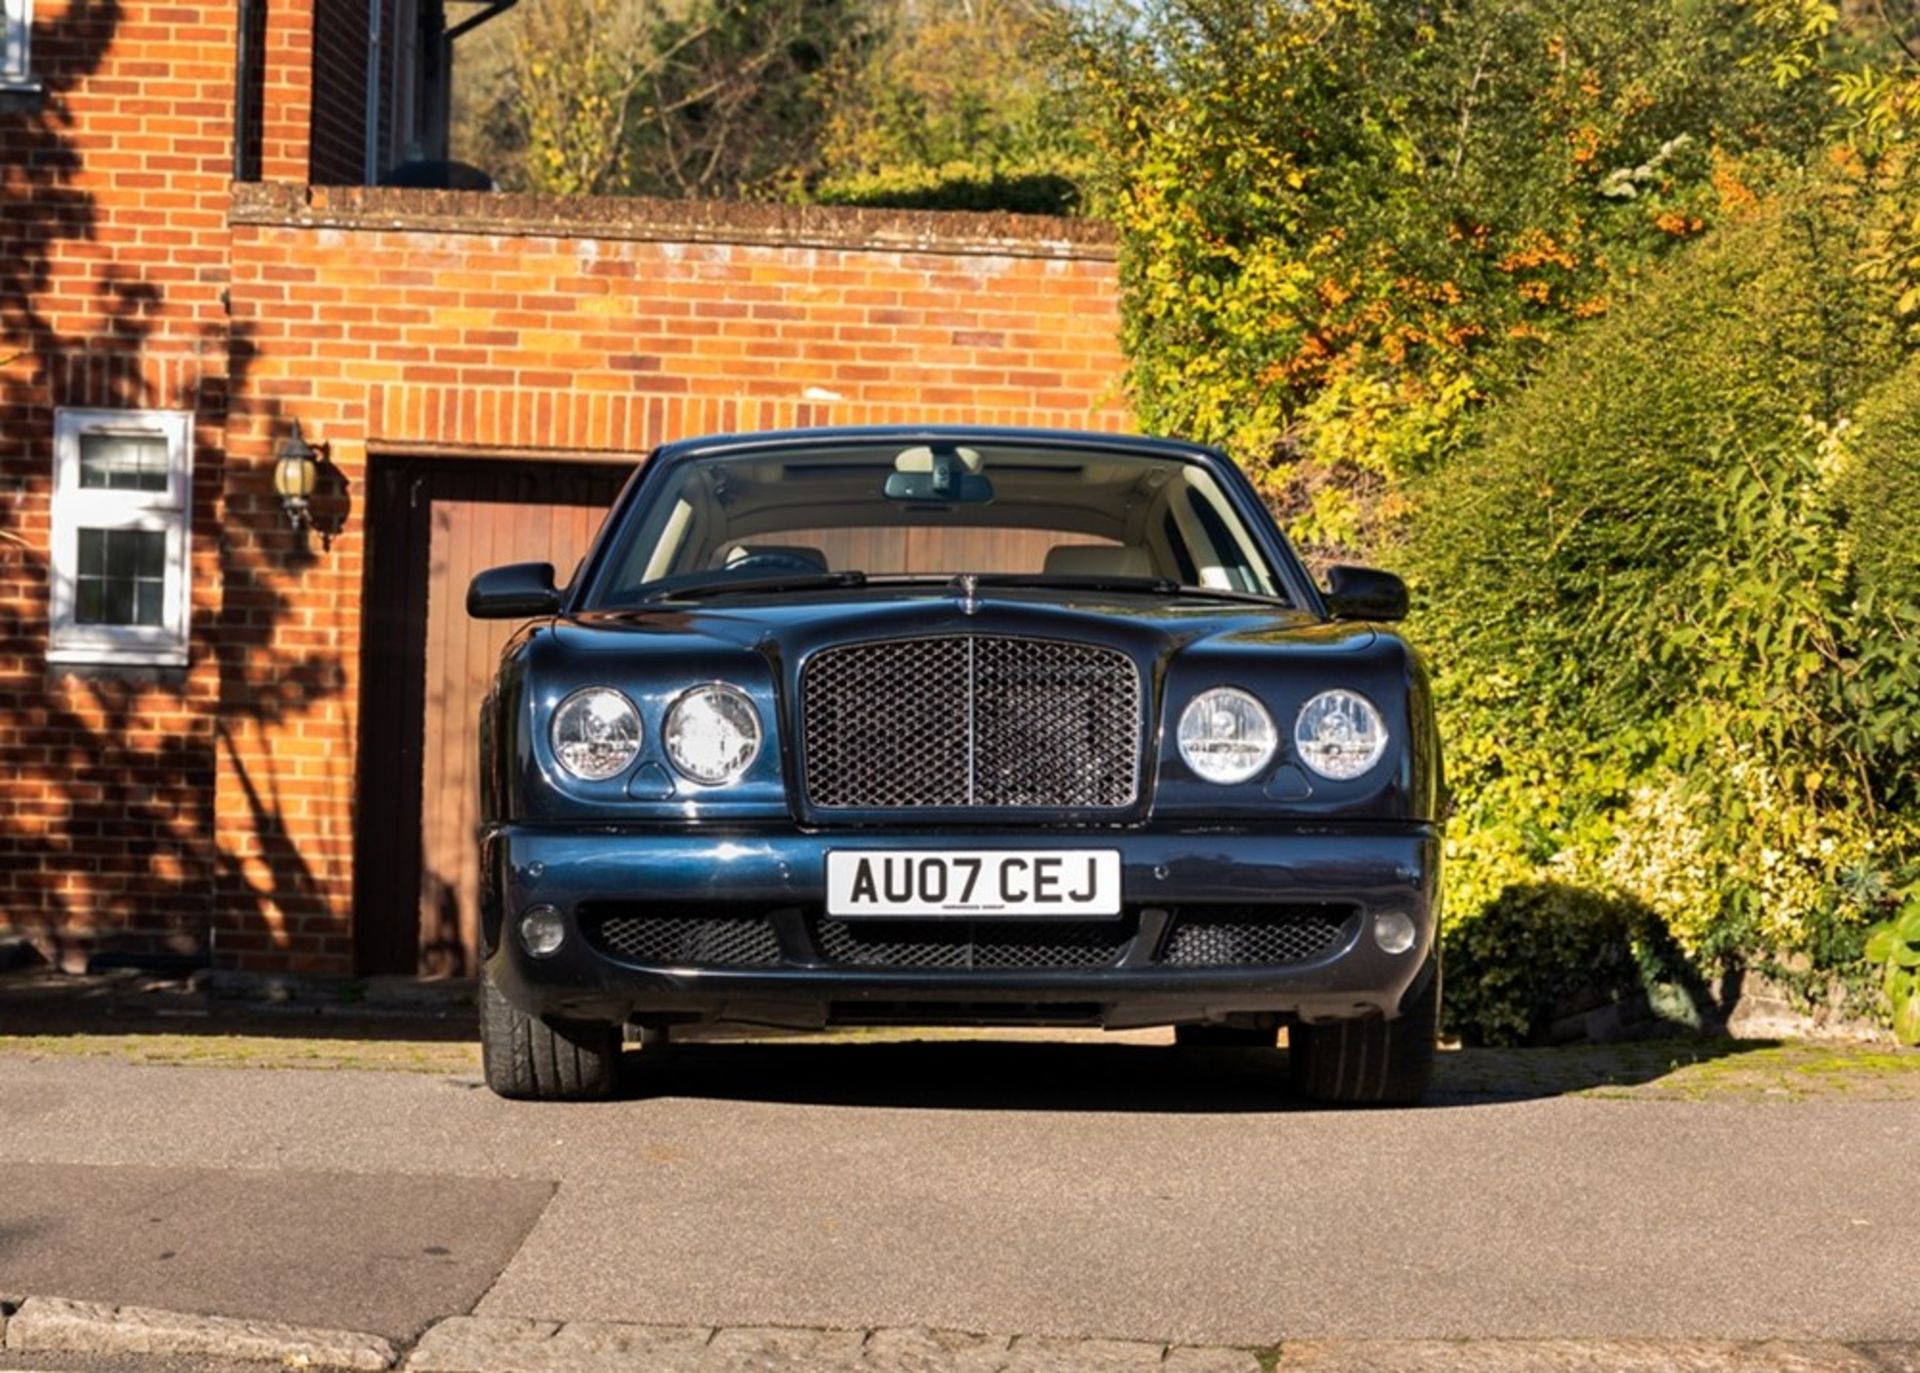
(955, 726)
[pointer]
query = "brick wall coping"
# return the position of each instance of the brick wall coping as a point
(674, 221)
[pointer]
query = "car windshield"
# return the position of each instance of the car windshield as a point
(752, 523)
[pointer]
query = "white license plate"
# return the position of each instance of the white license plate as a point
(1014, 882)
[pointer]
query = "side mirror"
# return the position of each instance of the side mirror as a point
(520, 591)
(1365, 593)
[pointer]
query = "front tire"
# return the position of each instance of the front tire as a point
(1372, 1061)
(527, 1059)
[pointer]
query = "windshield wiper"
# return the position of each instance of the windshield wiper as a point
(1079, 581)
(1151, 586)
(693, 584)
(1216, 593)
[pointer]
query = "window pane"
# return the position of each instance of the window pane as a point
(148, 599)
(121, 552)
(119, 598)
(151, 564)
(93, 553)
(123, 462)
(13, 40)
(122, 577)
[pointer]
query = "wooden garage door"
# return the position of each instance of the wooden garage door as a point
(434, 525)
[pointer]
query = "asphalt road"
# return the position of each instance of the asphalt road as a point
(1082, 1189)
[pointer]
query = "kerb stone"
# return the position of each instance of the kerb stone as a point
(1046, 1354)
(752, 1349)
(933, 1351)
(51, 1325)
(1192, 1359)
(1571, 1356)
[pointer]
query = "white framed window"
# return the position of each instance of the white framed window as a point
(122, 515)
(15, 43)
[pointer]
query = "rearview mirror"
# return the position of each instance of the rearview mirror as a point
(943, 475)
(1365, 593)
(519, 591)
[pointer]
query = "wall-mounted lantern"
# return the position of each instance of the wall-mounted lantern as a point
(296, 471)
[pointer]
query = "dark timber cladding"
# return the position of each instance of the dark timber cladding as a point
(436, 523)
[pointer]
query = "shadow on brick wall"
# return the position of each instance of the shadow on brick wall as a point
(111, 845)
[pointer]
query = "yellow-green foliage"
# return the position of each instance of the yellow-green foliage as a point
(1346, 222)
(1045, 186)
(1893, 950)
(1664, 677)
(952, 107)
(1879, 485)
(1525, 954)
(1590, 301)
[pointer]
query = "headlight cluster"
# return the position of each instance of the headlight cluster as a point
(596, 734)
(1227, 735)
(1339, 734)
(711, 734)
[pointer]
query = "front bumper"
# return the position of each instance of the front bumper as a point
(780, 873)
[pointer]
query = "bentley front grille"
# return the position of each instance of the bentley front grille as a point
(971, 722)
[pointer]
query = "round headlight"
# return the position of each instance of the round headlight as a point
(1226, 735)
(596, 733)
(1339, 734)
(712, 734)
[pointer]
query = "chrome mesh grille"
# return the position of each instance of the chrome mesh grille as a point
(1254, 936)
(971, 721)
(1006, 945)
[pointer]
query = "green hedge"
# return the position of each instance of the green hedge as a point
(1880, 488)
(1540, 951)
(1020, 188)
(1660, 590)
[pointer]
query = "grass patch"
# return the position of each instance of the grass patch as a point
(1686, 1070)
(1660, 1070)
(252, 1051)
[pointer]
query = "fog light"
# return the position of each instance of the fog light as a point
(1393, 931)
(542, 931)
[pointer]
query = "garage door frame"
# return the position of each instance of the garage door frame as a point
(388, 861)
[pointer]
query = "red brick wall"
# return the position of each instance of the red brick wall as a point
(212, 807)
(291, 124)
(420, 322)
(113, 256)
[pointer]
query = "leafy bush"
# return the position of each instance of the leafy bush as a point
(1879, 488)
(1893, 948)
(1036, 189)
(1663, 674)
(1535, 948)
(1346, 222)
(951, 107)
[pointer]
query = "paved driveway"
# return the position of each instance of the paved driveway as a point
(1079, 1189)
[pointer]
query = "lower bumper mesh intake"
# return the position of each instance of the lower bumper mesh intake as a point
(1007, 946)
(722, 940)
(1197, 937)
(1255, 936)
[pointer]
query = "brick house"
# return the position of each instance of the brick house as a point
(224, 738)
